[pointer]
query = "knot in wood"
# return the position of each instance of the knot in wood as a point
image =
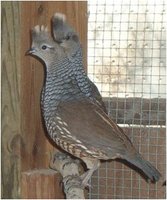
(40, 9)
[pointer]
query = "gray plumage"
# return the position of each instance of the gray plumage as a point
(68, 38)
(73, 110)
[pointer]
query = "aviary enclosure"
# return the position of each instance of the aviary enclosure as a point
(124, 48)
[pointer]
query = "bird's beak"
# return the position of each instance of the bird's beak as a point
(30, 51)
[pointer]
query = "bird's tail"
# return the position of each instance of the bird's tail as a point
(150, 171)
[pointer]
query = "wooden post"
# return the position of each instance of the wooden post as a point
(41, 184)
(11, 134)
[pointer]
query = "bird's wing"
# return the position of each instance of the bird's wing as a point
(88, 123)
(97, 96)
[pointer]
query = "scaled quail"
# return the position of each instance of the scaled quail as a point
(74, 113)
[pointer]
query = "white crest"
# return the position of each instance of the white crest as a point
(60, 16)
(41, 28)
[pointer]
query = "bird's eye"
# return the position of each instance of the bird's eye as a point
(67, 37)
(44, 47)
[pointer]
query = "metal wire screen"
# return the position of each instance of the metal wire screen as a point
(127, 60)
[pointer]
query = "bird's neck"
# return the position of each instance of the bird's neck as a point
(82, 79)
(60, 85)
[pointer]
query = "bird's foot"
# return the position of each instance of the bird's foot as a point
(85, 179)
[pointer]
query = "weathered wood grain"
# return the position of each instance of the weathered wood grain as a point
(11, 135)
(41, 184)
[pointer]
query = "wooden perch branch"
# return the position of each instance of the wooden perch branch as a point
(69, 169)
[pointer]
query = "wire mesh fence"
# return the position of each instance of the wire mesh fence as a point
(127, 62)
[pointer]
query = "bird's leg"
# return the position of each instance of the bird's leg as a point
(87, 175)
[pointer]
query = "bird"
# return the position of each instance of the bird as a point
(67, 37)
(75, 116)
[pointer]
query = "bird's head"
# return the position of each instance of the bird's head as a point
(64, 43)
(43, 46)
